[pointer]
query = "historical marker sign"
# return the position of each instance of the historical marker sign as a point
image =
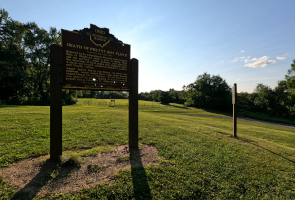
(95, 60)
(90, 59)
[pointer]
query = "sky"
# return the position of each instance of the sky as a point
(244, 42)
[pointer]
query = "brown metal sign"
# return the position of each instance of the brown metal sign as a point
(94, 59)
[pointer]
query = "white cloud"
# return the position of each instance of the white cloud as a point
(242, 51)
(235, 59)
(281, 58)
(247, 60)
(258, 62)
(240, 58)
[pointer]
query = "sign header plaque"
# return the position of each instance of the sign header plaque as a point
(234, 94)
(94, 59)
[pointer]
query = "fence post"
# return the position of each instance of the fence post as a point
(234, 101)
(133, 104)
(56, 67)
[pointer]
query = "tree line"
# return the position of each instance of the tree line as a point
(213, 92)
(165, 97)
(102, 94)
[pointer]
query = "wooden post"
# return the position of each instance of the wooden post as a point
(55, 102)
(234, 100)
(133, 104)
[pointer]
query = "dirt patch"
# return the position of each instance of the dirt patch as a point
(32, 176)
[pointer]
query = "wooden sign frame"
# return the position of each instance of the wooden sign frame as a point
(58, 81)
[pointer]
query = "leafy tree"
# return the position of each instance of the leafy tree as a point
(290, 78)
(13, 65)
(37, 43)
(165, 98)
(175, 96)
(109, 94)
(208, 92)
(156, 95)
(189, 95)
(290, 84)
(24, 61)
(265, 98)
(69, 97)
(281, 99)
(84, 93)
(145, 96)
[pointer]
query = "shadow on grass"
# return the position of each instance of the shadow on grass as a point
(141, 187)
(7, 106)
(229, 114)
(182, 107)
(255, 116)
(46, 173)
(266, 117)
(251, 142)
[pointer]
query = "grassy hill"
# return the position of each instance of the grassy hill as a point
(200, 159)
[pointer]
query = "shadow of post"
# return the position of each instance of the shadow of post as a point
(46, 173)
(141, 187)
(35, 185)
(277, 154)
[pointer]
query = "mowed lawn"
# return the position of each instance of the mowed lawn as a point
(200, 159)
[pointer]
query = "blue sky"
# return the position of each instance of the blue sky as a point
(245, 42)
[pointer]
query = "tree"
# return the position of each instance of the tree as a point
(37, 43)
(174, 96)
(145, 96)
(265, 98)
(290, 84)
(13, 65)
(280, 99)
(290, 78)
(156, 95)
(24, 61)
(69, 97)
(84, 93)
(208, 92)
(165, 98)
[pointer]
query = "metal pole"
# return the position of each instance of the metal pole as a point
(133, 104)
(55, 102)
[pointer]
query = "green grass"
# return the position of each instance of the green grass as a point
(265, 117)
(144, 106)
(200, 160)
(96, 167)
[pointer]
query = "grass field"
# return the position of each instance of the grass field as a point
(200, 160)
